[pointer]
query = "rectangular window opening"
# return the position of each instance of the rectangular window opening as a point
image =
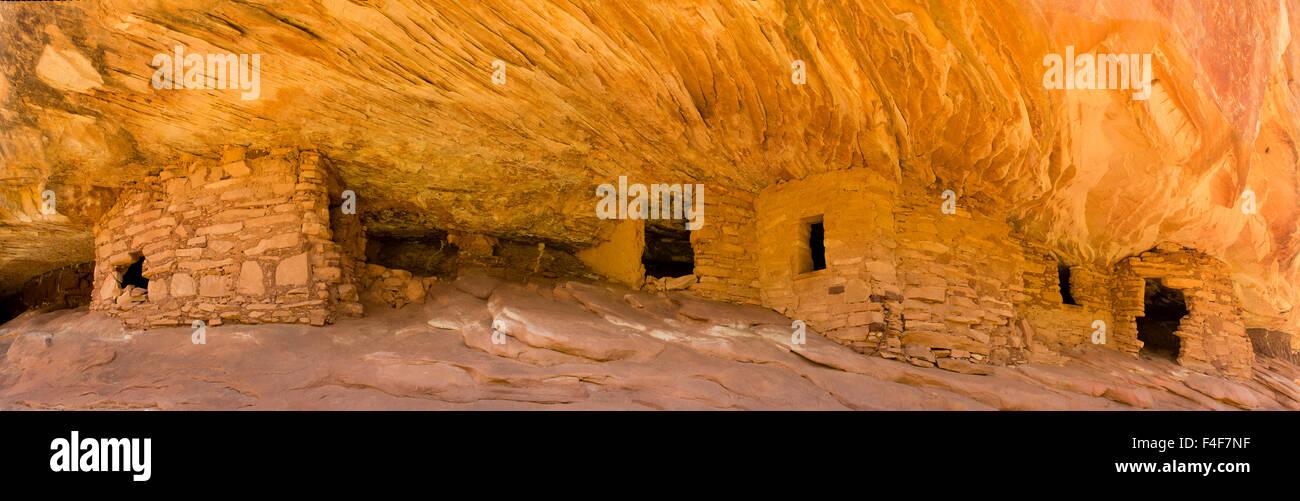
(812, 245)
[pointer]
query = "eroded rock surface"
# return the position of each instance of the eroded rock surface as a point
(400, 95)
(672, 351)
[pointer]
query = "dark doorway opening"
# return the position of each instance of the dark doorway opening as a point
(134, 275)
(1063, 277)
(668, 251)
(812, 245)
(817, 245)
(1164, 310)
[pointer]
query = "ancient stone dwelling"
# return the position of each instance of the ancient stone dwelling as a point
(248, 238)
(876, 264)
(871, 262)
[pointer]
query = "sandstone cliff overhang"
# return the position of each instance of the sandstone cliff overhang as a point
(401, 97)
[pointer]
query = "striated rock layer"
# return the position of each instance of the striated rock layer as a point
(564, 345)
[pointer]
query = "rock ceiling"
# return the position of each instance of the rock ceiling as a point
(949, 94)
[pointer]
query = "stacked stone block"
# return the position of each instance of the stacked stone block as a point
(261, 237)
(908, 281)
(335, 258)
(848, 300)
(960, 279)
(243, 239)
(1048, 324)
(725, 269)
(1212, 336)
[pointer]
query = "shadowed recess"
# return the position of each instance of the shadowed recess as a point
(668, 251)
(1165, 309)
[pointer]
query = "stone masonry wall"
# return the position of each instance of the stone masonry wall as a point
(1046, 322)
(907, 281)
(1212, 336)
(847, 300)
(723, 265)
(960, 278)
(260, 237)
(902, 278)
(243, 239)
(338, 240)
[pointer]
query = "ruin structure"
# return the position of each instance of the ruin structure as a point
(878, 264)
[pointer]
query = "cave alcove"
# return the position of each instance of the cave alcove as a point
(428, 254)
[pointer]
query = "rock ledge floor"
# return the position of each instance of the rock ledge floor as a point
(568, 345)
